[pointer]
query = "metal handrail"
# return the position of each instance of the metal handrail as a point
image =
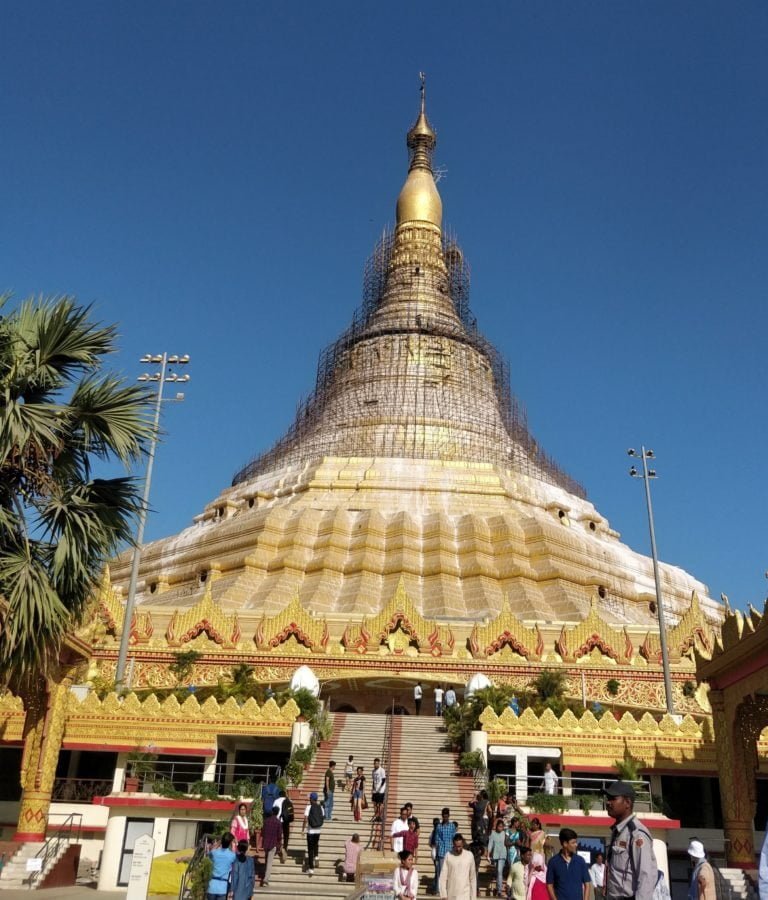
(578, 786)
(386, 753)
(197, 858)
(51, 846)
(80, 790)
(181, 775)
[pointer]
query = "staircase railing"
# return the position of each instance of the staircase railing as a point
(50, 849)
(376, 838)
(185, 891)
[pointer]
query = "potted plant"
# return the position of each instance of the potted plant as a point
(472, 762)
(140, 765)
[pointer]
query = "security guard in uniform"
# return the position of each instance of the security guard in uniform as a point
(631, 869)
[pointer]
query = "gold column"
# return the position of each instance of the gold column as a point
(735, 790)
(46, 705)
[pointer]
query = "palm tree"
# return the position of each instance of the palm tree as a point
(60, 413)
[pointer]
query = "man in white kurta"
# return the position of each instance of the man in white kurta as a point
(458, 877)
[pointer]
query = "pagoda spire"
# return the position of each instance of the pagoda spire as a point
(419, 200)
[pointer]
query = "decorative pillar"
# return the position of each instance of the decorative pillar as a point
(209, 768)
(734, 787)
(521, 777)
(478, 740)
(46, 706)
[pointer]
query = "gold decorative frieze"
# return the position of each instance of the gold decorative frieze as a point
(594, 633)
(599, 742)
(205, 617)
(168, 722)
(292, 622)
(506, 630)
(399, 626)
(12, 715)
(692, 631)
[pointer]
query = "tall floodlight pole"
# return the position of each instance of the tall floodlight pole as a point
(163, 377)
(647, 474)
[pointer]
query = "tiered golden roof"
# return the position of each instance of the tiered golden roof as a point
(410, 463)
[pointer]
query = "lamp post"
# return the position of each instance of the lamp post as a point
(166, 375)
(646, 476)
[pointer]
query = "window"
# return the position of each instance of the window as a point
(182, 834)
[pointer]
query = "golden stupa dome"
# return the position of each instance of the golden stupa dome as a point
(419, 200)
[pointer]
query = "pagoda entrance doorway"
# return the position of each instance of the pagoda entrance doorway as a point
(378, 695)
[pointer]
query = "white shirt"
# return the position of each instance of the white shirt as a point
(550, 782)
(310, 829)
(417, 692)
(398, 827)
(278, 805)
(450, 697)
(438, 695)
(378, 777)
(597, 874)
(406, 884)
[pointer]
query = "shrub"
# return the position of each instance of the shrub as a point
(309, 705)
(294, 772)
(689, 689)
(496, 789)
(323, 726)
(245, 788)
(628, 769)
(547, 803)
(205, 790)
(200, 875)
(472, 761)
(612, 686)
(184, 664)
(303, 755)
(166, 788)
(586, 802)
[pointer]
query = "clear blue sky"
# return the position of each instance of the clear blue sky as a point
(213, 176)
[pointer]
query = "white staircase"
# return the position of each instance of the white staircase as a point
(734, 885)
(14, 874)
(363, 737)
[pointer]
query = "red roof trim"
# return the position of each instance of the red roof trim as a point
(148, 802)
(601, 820)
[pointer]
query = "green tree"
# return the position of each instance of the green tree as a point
(60, 413)
(550, 687)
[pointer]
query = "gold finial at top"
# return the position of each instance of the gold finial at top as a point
(419, 200)
(421, 138)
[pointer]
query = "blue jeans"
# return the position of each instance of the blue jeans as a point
(500, 863)
(438, 869)
(438, 708)
(328, 806)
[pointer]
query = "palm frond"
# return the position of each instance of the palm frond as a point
(110, 418)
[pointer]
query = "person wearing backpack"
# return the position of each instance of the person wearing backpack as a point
(313, 824)
(286, 814)
(269, 793)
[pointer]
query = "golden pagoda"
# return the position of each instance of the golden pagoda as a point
(407, 527)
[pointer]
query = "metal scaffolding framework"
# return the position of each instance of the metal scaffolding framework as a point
(422, 385)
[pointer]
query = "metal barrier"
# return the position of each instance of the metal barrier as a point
(184, 774)
(574, 787)
(80, 790)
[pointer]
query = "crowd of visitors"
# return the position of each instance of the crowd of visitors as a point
(523, 863)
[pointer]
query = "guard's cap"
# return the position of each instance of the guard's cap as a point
(696, 850)
(313, 795)
(620, 789)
